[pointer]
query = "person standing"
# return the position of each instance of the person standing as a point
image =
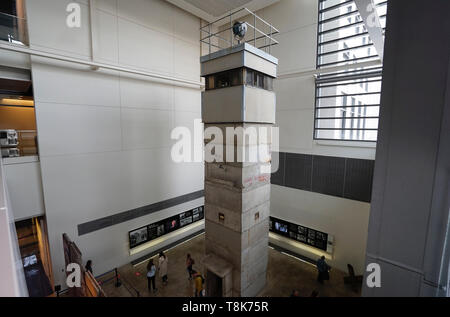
(151, 272)
(198, 282)
(323, 270)
(163, 262)
(189, 263)
(88, 266)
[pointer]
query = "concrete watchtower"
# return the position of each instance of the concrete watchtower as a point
(237, 102)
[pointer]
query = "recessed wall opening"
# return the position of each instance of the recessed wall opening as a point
(18, 135)
(214, 285)
(35, 254)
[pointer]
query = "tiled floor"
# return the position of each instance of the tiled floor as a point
(284, 274)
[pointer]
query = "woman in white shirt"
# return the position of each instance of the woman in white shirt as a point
(163, 262)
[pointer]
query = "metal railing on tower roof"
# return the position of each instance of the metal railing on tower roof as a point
(219, 33)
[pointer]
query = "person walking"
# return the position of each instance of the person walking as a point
(323, 270)
(163, 262)
(198, 283)
(189, 263)
(151, 272)
(88, 266)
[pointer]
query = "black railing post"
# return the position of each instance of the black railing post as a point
(118, 283)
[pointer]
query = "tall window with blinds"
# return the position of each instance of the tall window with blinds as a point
(348, 100)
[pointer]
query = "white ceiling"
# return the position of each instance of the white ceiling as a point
(210, 10)
(217, 7)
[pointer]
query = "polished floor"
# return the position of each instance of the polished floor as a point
(284, 274)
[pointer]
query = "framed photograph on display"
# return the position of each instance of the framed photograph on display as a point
(171, 224)
(320, 245)
(185, 219)
(301, 238)
(281, 227)
(160, 230)
(197, 214)
(164, 226)
(299, 233)
(152, 231)
(302, 230)
(138, 236)
(293, 227)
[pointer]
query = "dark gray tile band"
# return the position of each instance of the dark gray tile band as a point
(358, 179)
(335, 176)
(328, 175)
(121, 217)
(277, 178)
(298, 171)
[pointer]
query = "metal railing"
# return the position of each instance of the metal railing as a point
(119, 280)
(219, 34)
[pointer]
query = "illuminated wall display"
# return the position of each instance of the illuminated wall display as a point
(299, 233)
(165, 226)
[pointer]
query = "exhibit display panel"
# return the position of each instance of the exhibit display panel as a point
(157, 229)
(302, 234)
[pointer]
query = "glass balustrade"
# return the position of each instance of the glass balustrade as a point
(13, 29)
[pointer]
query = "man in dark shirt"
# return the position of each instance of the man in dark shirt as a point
(322, 268)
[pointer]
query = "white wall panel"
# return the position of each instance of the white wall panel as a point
(109, 6)
(186, 64)
(296, 129)
(153, 176)
(141, 47)
(75, 129)
(186, 99)
(295, 93)
(11, 269)
(74, 84)
(186, 119)
(79, 188)
(186, 26)
(48, 29)
(139, 92)
(13, 59)
(106, 40)
(155, 14)
(291, 14)
(144, 128)
(298, 49)
(25, 189)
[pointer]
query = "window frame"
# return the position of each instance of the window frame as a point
(356, 122)
(357, 23)
(354, 77)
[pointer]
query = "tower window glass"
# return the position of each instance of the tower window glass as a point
(236, 77)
